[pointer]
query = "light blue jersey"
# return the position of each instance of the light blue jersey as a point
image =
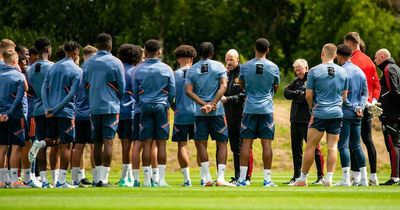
(59, 87)
(104, 78)
(259, 76)
(127, 101)
(12, 92)
(154, 82)
(185, 106)
(357, 95)
(37, 72)
(82, 108)
(205, 76)
(328, 81)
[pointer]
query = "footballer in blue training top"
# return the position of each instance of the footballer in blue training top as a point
(259, 78)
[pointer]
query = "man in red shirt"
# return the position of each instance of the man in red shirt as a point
(353, 40)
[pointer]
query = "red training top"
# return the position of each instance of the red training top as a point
(365, 63)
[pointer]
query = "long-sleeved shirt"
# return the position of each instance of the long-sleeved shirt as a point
(390, 93)
(104, 78)
(357, 94)
(12, 91)
(82, 108)
(234, 98)
(154, 82)
(368, 67)
(296, 91)
(259, 76)
(37, 71)
(59, 87)
(184, 106)
(205, 76)
(127, 101)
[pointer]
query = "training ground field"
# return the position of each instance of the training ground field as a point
(196, 197)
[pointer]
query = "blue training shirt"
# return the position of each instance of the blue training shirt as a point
(82, 108)
(154, 82)
(127, 101)
(12, 92)
(37, 72)
(59, 87)
(357, 94)
(104, 78)
(259, 76)
(327, 90)
(136, 106)
(206, 83)
(185, 106)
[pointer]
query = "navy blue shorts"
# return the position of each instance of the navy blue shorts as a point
(104, 126)
(12, 132)
(215, 126)
(257, 126)
(61, 127)
(125, 129)
(331, 126)
(41, 127)
(83, 132)
(154, 122)
(183, 132)
(136, 127)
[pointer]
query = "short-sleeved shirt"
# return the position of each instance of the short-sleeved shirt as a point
(327, 89)
(185, 106)
(205, 76)
(260, 76)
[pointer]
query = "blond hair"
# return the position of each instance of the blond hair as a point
(329, 50)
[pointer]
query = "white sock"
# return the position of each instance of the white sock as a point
(303, 177)
(373, 177)
(147, 175)
(396, 179)
(99, 176)
(206, 170)
(95, 173)
(135, 173)
(42, 144)
(221, 172)
(357, 176)
(186, 175)
(130, 177)
(62, 176)
(202, 174)
(267, 175)
(27, 175)
(81, 174)
(14, 175)
(54, 175)
(2, 173)
(43, 176)
(329, 177)
(106, 172)
(363, 172)
(243, 173)
(124, 172)
(346, 174)
(155, 174)
(74, 174)
(162, 173)
(7, 177)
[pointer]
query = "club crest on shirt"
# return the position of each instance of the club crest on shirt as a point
(236, 81)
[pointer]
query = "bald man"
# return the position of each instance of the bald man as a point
(326, 89)
(390, 100)
(233, 100)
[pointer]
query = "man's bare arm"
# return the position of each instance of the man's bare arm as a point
(222, 89)
(310, 98)
(194, 96)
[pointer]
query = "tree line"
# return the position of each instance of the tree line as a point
(295, 28)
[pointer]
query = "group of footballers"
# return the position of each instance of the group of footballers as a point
(64, 106)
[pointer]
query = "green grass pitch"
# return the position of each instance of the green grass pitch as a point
(196, 197)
